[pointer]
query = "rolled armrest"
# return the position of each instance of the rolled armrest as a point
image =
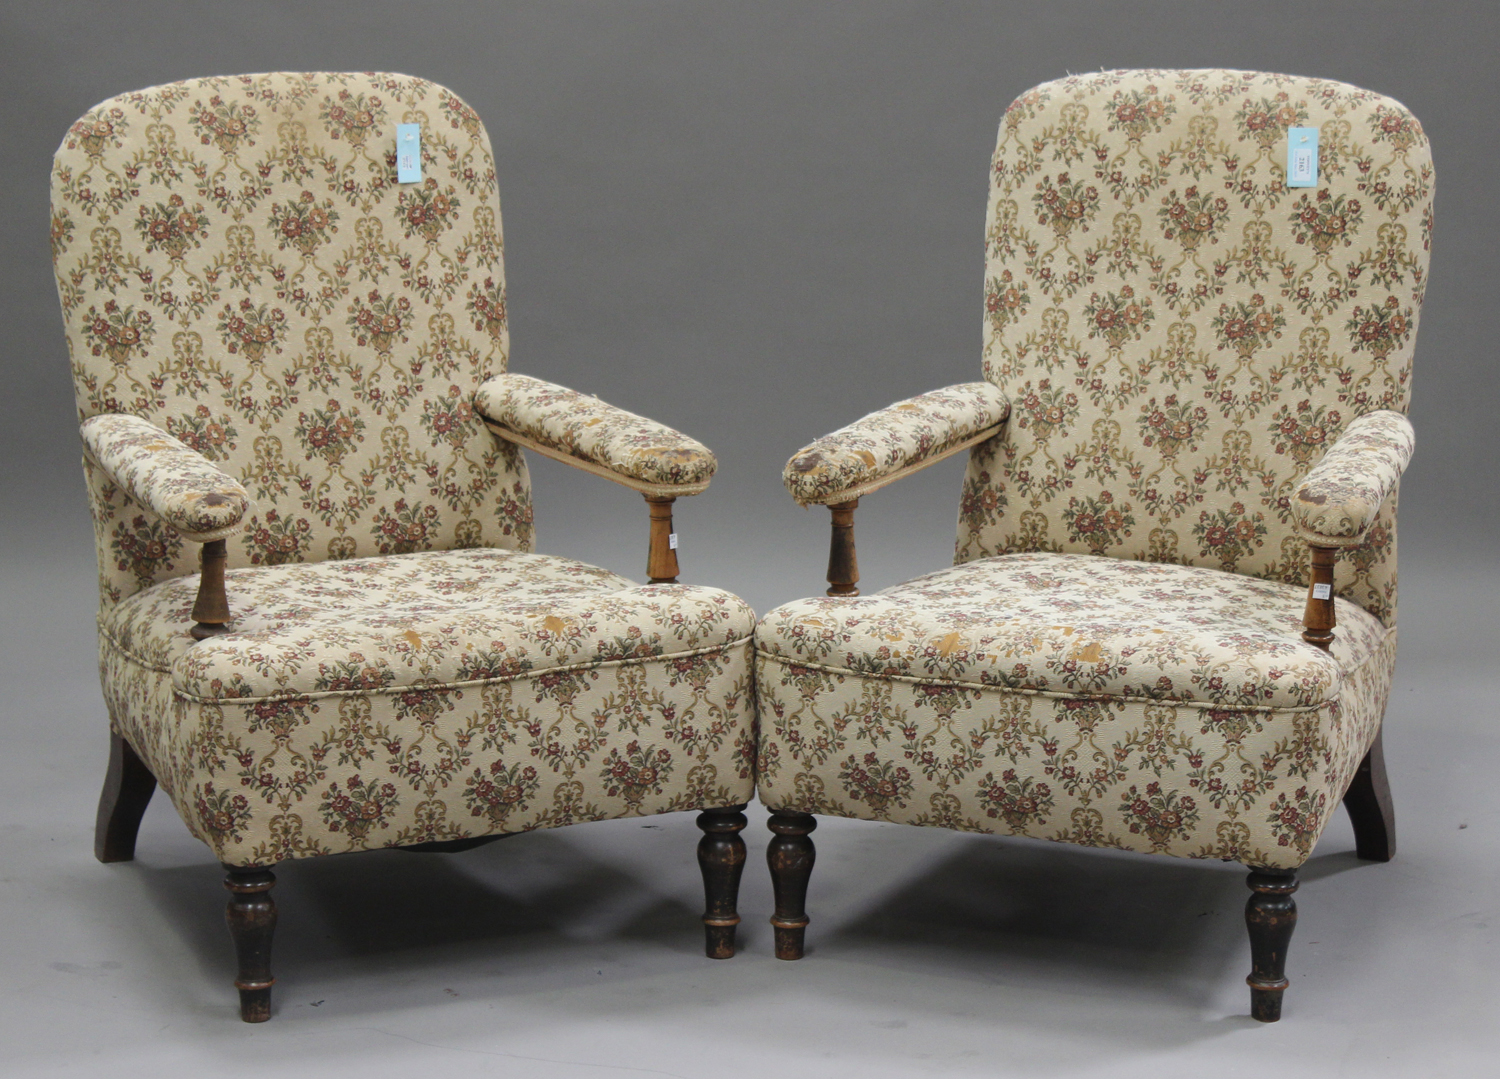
(175, 482)
(584, 430)
(885, 445)
(1339, 498)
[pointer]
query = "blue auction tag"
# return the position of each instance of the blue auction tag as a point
(408, 153)
(1302, 157)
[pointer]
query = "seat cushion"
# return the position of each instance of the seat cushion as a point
(430, 619)
(1083, 625)
(429, 697)
(1155, 708)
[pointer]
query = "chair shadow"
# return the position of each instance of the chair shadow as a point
(1006, 914)
(355, 922)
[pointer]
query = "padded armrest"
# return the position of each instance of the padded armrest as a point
(175, 482)
(583, 430)
(884, 445)
(1339, 498)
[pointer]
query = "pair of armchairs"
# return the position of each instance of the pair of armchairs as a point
(323, 628)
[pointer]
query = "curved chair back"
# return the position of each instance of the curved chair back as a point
(1180, 332)
(240, 263)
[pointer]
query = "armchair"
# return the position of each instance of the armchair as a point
(286, 353)
(1170, 626)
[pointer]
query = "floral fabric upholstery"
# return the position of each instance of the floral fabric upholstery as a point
(1083, 624)
(1179, 333)
(177, 484)
(1339, 498)
(431, 696)
(256, 309)
(239, 266)
(1149, 707)
(585, 427)
(891, 439)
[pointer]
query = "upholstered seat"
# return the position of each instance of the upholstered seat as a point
(439, 649)
(1102, 674)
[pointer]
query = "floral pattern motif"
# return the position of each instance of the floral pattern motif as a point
(1145, 218)
(287, 323)
(1156, 708)
(1338, 500)
(235, 254)
(1078, 624)
(175, 482)
(1182, 339)
(585, 427)
(885, 442)
(387, 701)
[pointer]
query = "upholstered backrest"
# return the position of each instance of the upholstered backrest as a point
(238, 263)
(1180, 333)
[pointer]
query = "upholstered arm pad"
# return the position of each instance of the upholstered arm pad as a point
(1338, 499)
(575, 425)
(175, 482)
(871, 451)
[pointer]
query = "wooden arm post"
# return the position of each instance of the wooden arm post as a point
(661, 559)
(211, 609)
(843, 565)
(1318, 620)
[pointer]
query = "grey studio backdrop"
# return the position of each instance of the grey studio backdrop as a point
(754, 222)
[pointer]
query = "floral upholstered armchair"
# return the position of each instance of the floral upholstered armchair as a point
(1183, 466)
(291, 357)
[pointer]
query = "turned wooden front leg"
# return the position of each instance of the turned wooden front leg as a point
(1318, 620)
(843, 565)
(252, 922)
(211, 609)
(1270, 915)
(661, 559)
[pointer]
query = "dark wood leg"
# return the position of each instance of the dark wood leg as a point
(1368, 801)
(252, 920)
(1271, 915)
(790, 856)
(128, 786)
(721, 856)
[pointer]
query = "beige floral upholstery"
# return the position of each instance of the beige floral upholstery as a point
(1204, 370)
(581, 426)
(1338, 500)
(257, 309)
(238, 266)
(1144, 706)
(432, 696)
(1179, 333)
(892, 439)
(176, 483)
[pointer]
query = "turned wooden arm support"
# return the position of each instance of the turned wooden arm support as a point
(1318, 620)
(211, 608)
(843, 563)
(661, 557)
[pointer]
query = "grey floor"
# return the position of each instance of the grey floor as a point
(576, 953)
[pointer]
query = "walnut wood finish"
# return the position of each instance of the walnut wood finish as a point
(211, 609)
(661, 559)
(252, 920)
(1317, 619)
(128, 786)
(1371, 811)
(721, 857)
(790, 855)
(843, 564)
(1270, 915)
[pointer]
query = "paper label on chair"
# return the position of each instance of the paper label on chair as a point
(409, 153)
(1302, 157)
(1322, 591)
(672, 541)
